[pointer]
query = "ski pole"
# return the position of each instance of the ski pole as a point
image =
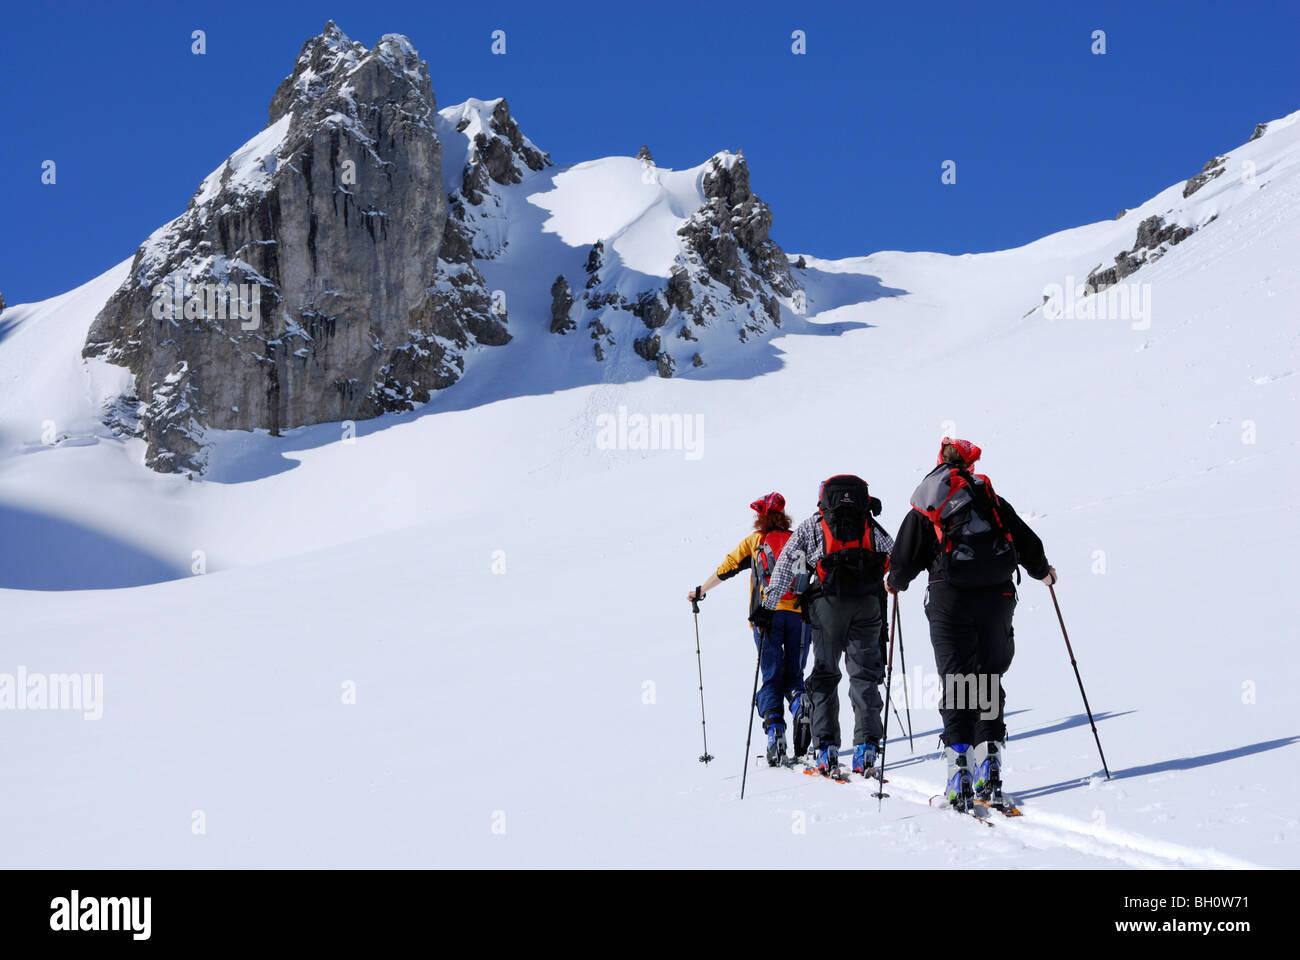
(894, 706)
(699, 668)
(1075, 664)
(889, 677)
(753, 709)
(907, 697)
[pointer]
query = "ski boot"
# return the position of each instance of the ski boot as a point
(775, 744)
(988, 773)
(988, 780)
(864, 759)
(801, 711)
(828, 760)
(959, 790)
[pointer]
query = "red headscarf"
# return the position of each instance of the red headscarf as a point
(773, 501)
(969, 452)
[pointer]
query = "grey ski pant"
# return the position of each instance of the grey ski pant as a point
(847, 627)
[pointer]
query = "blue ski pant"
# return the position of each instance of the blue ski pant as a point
(781, 664)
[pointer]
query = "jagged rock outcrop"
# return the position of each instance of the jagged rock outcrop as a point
(2, 302)
(330, 222)
(561, 304)
(730, 237)
(729, 271)
(498, 153)
(644, 154)
(1260, 130)
(1154, 237)
(1213, 168)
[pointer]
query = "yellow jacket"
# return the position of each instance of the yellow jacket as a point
(743, 557)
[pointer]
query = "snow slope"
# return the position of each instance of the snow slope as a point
(504, 594)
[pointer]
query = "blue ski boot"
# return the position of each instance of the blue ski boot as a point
(801, 712)
(959, 789)
(864, 759)
(775, 744)
(828, 760)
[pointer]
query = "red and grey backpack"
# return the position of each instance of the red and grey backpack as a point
(975, 547)
(849, 565)
(765, 557)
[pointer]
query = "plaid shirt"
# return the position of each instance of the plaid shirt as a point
(805, 547)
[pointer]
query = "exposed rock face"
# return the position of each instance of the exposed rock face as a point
(729, 271)
(1260, 130)
(1154, 237)
(644, 154)
(1213, 168)
(561, 304)
(2, 302)
(356, 233)
(333, 217)
(735, 224)
(499, 151)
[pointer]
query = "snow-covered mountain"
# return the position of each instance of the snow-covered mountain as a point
(333, 267)
(316, 644)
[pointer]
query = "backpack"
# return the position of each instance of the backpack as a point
(975, 547)
(848, 566)
(769, 549)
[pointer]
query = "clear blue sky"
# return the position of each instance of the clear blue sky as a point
(845, 142)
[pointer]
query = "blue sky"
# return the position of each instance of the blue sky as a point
(845, 142)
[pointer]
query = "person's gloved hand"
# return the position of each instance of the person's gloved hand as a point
(762, 617)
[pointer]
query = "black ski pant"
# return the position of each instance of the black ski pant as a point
(847, 627)
(973, 642)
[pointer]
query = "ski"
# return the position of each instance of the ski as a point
(1007, 806)
(841, 774)
(972, 814)
(838, 774)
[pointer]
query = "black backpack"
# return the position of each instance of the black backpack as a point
(849, 567)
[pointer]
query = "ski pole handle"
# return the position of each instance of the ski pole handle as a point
(695, 601)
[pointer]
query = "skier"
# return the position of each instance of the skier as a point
(971, 541)
(782, 650)
(849, 553)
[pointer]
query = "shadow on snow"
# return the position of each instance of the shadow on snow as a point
(45, 552)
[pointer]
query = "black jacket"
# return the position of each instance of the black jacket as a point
(916, 548)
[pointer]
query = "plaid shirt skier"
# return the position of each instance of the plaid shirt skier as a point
(805, 546)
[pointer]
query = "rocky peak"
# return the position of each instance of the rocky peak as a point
(498, 152)
(332, 219)
(735, 224)
(728, 275)
(323, 58)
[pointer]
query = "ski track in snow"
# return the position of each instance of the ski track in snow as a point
(1040, 829)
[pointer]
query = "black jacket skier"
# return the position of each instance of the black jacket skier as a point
(970, 540)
